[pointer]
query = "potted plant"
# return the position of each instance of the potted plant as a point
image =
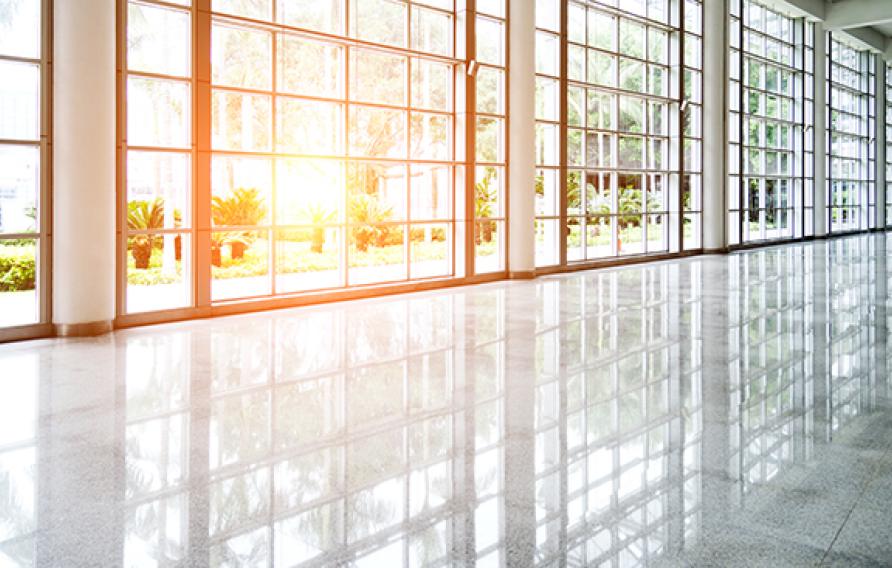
(244, 207)
(484, 197)
(142, 216)
(367, 214)
(319, 216)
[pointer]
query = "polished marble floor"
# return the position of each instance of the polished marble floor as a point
(712, 411)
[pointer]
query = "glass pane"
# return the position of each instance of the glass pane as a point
(19, 188)
(309, 258)
(255, 9)
(599, 237)
(490, 90)
(20, 96)
(431, 136)
(379, 21)
(430, 250)
(158, 270)
(240, 57)
(241, 121)
(319, 15)
(240, 188)
(377, 133)
(309, 192)
(20, 28)
(307, 67)
(308, 127)
(490, 147)
(154, 181)
(547, 242)
(431, 31)
(431, 85)
(377, 253)
(158, 40)
(158, 113)
(18, 282)
(377, 193)
(431, 196)
(491, 7)
(490, 41)
(488, 192)
(239, 264)
(488, 241)
(378, 77)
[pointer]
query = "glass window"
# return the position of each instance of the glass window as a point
(851, 145)
(23, 234)
(629, 188)
(771, 175)
(327, 122)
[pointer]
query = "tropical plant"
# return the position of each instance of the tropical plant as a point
(17, 269)
(319, 216)
(144, 216)
(367, 214)
(244, 207)
(484, 196)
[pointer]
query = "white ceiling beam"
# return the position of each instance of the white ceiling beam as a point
(856, 14)
(869, 38)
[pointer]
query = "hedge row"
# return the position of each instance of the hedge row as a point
(16, 268)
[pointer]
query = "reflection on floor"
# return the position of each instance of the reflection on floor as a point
(711, 411)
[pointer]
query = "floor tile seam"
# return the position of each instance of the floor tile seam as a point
(857, 500)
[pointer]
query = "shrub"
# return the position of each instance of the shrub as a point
(17, 269)
(244, 207)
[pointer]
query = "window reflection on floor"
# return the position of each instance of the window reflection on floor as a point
(572, 418)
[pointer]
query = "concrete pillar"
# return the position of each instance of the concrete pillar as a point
(820, 131)
(84, 166)
(715, 129)
(522, 131)
(881, 142)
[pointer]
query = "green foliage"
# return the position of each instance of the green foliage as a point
(319, 215)
(367, 214)
(17, 268)
(243, 207)
(145, 215)
(142, 216)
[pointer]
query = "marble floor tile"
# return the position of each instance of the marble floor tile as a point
(709, 411)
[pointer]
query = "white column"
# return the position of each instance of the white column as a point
(881, 142)
(715, 128)
(84, 166)
(522, 145)
(820, 131)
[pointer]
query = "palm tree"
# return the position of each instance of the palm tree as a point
(244, 207)
(142, 216)
(319, 216)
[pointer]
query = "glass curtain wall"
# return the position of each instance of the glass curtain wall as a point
(888, 164)
(490, 139)
(548, 132)
(309, 146)
(618, 129)
(851, 150)
(24, 163)
(771, 158)
(159, 159)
